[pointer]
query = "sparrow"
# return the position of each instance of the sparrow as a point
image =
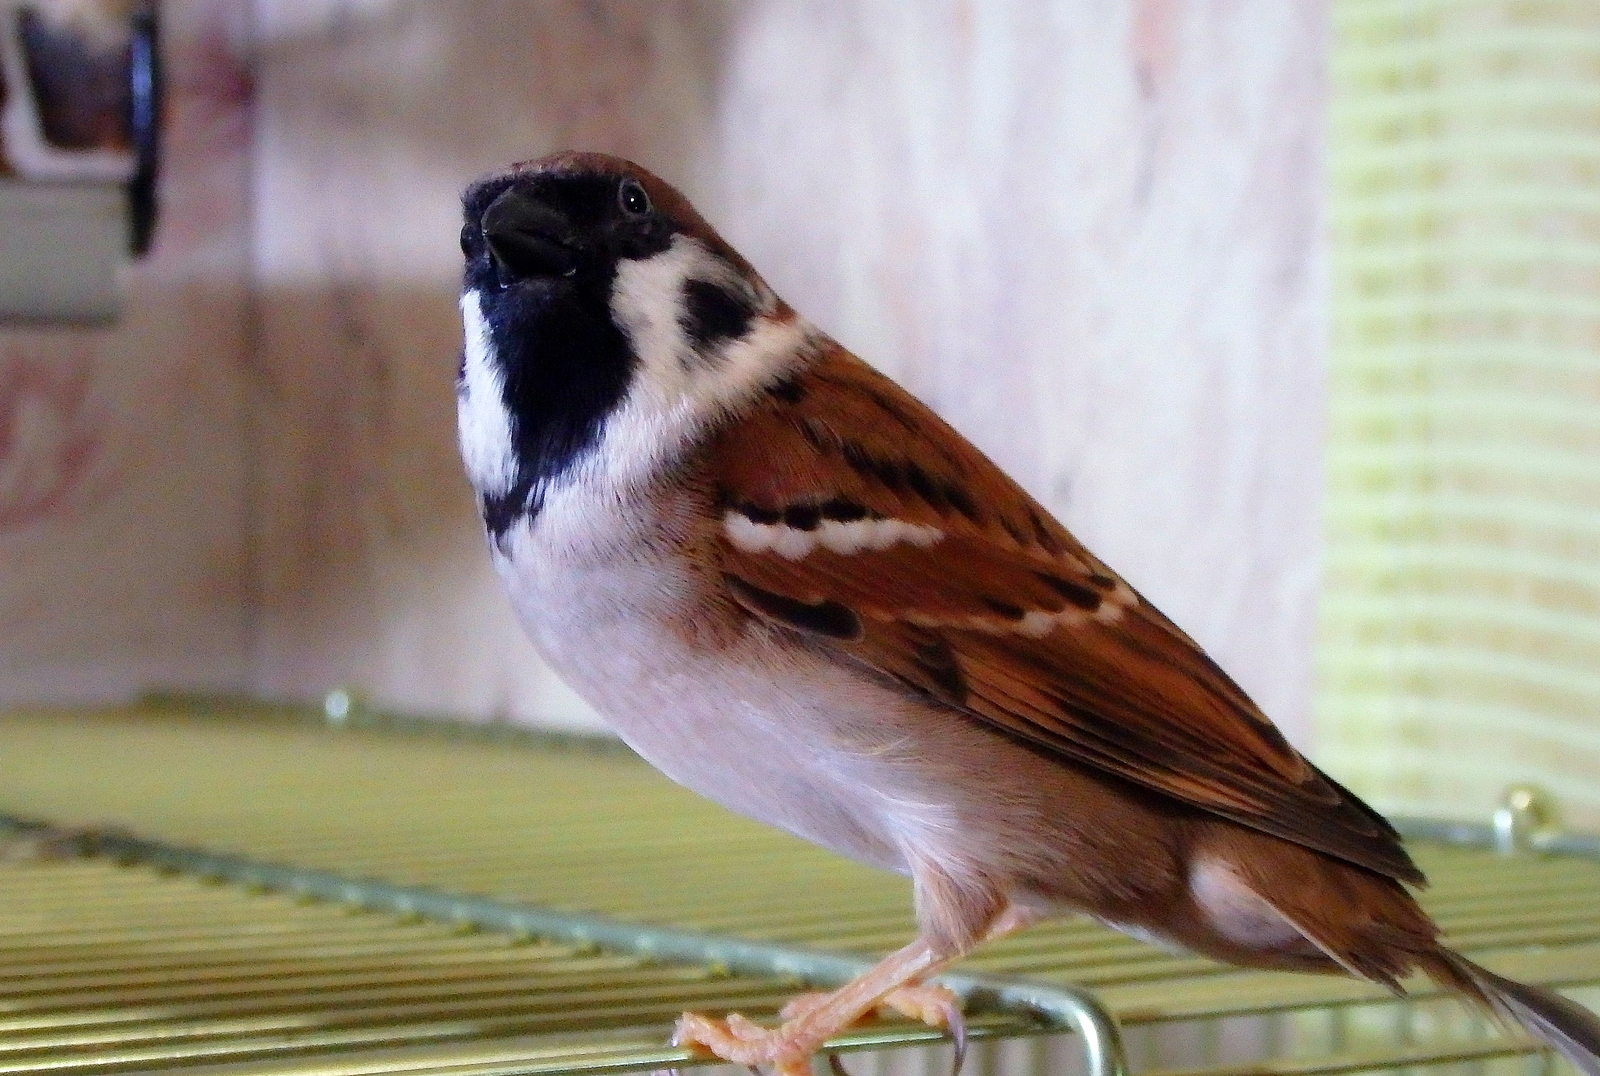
(794, 589)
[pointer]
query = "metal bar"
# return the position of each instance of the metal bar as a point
(1389, 1061)
(1054, 1005)
(1479, 835)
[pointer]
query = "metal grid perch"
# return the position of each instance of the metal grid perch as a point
(643, 899)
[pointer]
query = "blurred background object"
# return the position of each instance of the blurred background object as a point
(80, 108)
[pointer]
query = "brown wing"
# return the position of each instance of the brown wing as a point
(855, 514)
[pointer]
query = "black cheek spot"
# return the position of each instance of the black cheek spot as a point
(803, 517)
(828, 618)
(713, 314)
(1075, 593)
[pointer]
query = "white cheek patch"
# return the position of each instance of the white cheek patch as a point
(676, 393)
(482, 419)
(755, 360)
(648, 302)
(856, 536)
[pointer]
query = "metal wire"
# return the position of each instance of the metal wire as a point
(1042, 1004)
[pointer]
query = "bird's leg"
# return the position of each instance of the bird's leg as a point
(788, 1048)
(934, 1005)
(812, 1019)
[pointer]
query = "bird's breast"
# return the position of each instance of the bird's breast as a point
(610, 593)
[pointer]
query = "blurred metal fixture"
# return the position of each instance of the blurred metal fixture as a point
(80, 142)
(1525, 812)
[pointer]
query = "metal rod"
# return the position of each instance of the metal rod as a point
(1478, 835)
(1053, 1005)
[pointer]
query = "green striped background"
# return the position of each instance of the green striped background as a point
(1460, 624)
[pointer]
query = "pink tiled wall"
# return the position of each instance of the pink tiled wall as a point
(1088, 232)
(123, 475)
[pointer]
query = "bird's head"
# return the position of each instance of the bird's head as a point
(593, 288)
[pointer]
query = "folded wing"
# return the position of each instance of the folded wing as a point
(855, 515)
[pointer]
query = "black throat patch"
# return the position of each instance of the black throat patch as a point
(565, 363)
(566, 367)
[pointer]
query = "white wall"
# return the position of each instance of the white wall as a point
(1088, 232)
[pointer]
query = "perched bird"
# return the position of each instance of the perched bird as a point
(794, 589)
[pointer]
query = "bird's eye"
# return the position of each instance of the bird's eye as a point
(466, 240)
(633, 198)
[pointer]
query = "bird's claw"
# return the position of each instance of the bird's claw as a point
(935, 1006)
(958, 1039)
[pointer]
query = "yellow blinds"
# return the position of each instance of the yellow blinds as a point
(1460, 641)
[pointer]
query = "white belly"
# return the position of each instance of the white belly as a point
(722, 716)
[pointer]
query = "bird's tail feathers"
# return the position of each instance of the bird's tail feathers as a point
(1371, 928)
(1562, 1024)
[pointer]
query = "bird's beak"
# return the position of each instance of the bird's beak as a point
(528, 239)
